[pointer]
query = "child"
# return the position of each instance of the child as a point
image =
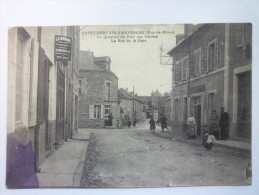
(208, 141)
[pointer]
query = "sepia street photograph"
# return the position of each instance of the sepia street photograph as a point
(129, 106)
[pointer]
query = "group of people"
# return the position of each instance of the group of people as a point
(218, 125)
(129, 123)
(126, 122)
(162, 120)
(108, 120)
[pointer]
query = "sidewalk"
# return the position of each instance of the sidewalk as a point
(64, 167)
(179, 136)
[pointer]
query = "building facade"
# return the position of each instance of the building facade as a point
(212, 69)
(37, 112)
(131, 106)
(168, 112)
(98, 95)
(147, 108)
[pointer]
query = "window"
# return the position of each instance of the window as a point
(197, 61)
(19, 78)
(185, 67)
(213, 55)
(240, 35)
(107, 109)
(97, 111)
(108, 93)
(80, 87)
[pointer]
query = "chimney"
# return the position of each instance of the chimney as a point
(179, 38)
(188, 30)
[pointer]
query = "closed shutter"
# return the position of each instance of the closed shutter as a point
(91, 111)
(180, 70)
(102, 111)
(216, 55)
(191, 65)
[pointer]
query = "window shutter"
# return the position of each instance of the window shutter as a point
(84, 86)
(206, 59)
(180, 70)
(216, 54)
(187, 67)
(91, 111)
(191, 65)
(102, 111)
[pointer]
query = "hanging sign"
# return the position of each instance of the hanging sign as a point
(62, 48)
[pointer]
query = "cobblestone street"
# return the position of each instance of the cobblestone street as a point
(137, 158)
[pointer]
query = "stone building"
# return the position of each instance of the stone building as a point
(126, 103)
(162, 104)
(212, 68)
(98, 94)
(147, 108)
(37, 112)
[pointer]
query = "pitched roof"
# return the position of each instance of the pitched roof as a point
(102, 59)
(123, 94)
(144, 98)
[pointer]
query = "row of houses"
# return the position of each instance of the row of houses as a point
(212, 69)
(99, 97)
(43, 90)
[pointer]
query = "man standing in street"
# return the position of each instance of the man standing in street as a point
(223, 123)
(163, 122)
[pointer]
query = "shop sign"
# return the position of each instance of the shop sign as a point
(62, 48)
(197, 89)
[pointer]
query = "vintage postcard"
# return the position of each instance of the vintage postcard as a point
(127, 106)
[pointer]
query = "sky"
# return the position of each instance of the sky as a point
(135, 63)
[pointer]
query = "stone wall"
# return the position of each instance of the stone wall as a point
(94, 92)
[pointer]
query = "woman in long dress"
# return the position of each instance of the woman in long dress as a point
(191, 124)
(152, 125)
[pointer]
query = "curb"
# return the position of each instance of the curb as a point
(170, 137)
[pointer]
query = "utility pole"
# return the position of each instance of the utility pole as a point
(133, 102)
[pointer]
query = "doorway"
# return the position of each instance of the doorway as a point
(244, 105)
(196, 111)
(60, 107)
(197, 115)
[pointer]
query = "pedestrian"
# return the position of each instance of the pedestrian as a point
(110, 117)
(214, 124)
(152, 125)
(134, 123)
(223, 123)
(163, 120)
(191, 126)
(129, 123)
